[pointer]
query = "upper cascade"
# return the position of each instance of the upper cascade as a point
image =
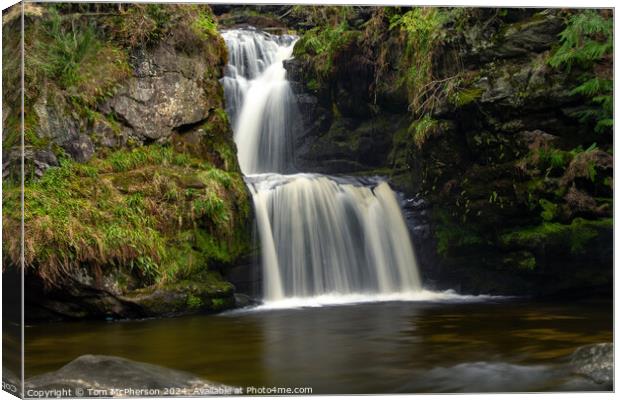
(259, 99)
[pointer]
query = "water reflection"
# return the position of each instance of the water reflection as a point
(364, 348)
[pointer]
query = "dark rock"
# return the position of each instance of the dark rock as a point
(54, 120)
(422, 231)
(99, 375)
(36, 161)
(80, 148)
(104, 135)
(117, 294)
(243, 300)
(596, 362)
(533, 35)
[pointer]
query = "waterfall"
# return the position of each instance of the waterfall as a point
(320, 235)
(259, 99)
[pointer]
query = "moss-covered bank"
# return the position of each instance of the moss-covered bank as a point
(134, 203)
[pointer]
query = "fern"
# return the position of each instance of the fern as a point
(587, 42)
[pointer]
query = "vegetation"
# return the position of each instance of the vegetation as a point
(162, 213)
(67, 54)
(576, 235)
(422, 35)
(423, 129)
(322, 42)
(587, 44)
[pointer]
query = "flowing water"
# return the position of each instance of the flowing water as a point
(320, 235)
(259, 99)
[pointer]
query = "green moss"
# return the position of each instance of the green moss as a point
(218, 304)
(124, 160)
(194, 302)
(204, 25)
(549, 210)
(574, 236)
(523, 260)
(128, 211)
(451, 235)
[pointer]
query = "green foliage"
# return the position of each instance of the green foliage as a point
(422, 129)
(204, 25)
(552, 159)
(466, 96)
(128, 211)
(142, 24)
(322, 43)
(218, 304)
(575, 236)
(587, 42)
(586, 39)
(421, 27)
(212, 207)
(64, 47)
(451, 235)
(124, 160)
(549, 210)
(194, 302)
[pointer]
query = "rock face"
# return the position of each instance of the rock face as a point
(166, 92)
(107, 376)
(513, 206)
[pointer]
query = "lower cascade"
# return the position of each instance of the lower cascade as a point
(319, 234)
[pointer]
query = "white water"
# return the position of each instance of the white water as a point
(323, 236)
(259, 99)
(324, 240)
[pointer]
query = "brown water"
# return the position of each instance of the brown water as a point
(363, 348)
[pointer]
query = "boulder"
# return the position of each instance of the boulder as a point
(595, 362)
(108, 376)
(166, 92)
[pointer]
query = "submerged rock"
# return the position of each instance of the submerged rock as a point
(108, 376)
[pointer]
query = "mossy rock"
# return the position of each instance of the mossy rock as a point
(206, 292)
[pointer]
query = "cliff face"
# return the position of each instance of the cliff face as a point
(477, 117)
(134, 202)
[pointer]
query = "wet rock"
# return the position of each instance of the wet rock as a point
(533, 35)
(98, 375)
(422, 231)
(243, 300)
(596, 362)
(117, 294)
